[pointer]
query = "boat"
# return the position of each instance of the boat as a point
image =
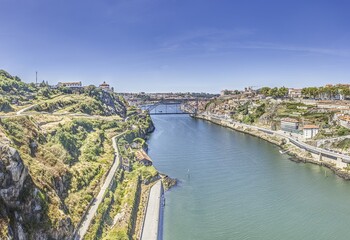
(283, 152)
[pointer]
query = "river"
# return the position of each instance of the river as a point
(235, 186)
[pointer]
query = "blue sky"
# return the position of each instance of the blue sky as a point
(177, 45)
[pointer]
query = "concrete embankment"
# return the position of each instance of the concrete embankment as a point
(296, 149)
(152, 228)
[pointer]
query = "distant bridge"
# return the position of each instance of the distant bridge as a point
(187, 108)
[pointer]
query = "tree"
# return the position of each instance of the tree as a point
(282, 92)
(345, 91)
(273, 92)
(310, 92)
(45, 91)
(265, 91)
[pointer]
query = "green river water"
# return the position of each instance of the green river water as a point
(235, 186)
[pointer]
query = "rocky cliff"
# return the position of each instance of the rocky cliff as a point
(22, 204)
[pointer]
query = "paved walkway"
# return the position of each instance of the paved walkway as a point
(153, 222)
(84, 226)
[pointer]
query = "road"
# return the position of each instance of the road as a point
(20, 112)
(84, 226)
(152, 226)
(294, 140)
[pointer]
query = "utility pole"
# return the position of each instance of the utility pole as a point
(36, 78)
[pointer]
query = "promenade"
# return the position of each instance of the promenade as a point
(152, 226)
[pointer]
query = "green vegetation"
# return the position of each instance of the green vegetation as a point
(75, 104)
(117, 215)
(69, 153)
(327, 91)
(5, 105)
(13, 84)
(342, 131)
(343, 144)
(248, 114)
(274, 92)
(89, 100)
(75, 156)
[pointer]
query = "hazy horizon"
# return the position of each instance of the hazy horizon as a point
(177, 46)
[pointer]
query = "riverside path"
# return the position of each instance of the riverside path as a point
(152, 225)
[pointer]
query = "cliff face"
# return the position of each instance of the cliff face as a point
(52, 165)
(22, 204)
(112, 104)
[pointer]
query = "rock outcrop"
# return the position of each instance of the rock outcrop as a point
(22, 204)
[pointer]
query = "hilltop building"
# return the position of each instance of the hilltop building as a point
(70, 84)
(294, 93)
(106, 87)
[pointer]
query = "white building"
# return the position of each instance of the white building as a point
(310, 131)
(70, 84)
(344, 120)
(294, 92)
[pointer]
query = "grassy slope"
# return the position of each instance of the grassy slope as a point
(122, 203)
(67, 156)
(73, 104)
(69, 162)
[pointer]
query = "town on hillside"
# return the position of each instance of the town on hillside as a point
(319, 116)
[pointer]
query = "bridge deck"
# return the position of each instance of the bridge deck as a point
(164, 113)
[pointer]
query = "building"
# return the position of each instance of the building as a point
(70, 84)
(294, 93)
(143, 158)
(231, 92)
(126, 164)
(310, 131)
(289, 124)
(344, 121)
(105, 86)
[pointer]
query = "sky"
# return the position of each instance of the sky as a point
(177, 45)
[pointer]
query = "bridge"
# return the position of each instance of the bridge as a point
(172, 106)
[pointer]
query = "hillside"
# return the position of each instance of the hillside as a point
(15, 95)
(55, 156)
(269, 112)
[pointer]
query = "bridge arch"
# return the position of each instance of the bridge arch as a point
(188, 108)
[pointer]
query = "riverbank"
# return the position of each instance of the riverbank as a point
(296, 152)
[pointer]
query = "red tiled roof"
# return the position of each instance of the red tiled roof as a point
(310, 127)
(289, 120)
(140, 155)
